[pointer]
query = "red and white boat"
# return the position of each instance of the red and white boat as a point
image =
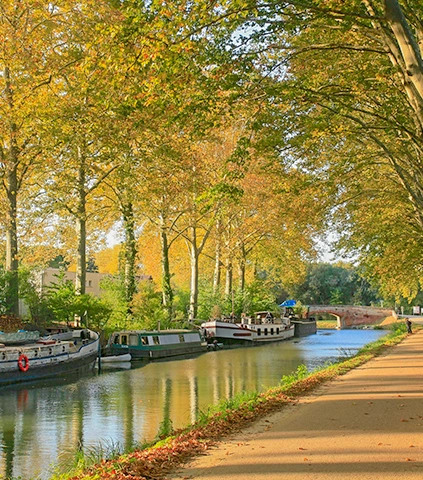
(262, 327)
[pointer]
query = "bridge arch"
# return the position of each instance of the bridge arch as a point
(352, 315)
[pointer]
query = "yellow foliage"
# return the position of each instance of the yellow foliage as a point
(107, 260)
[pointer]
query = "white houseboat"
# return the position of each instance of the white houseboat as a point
(262, 327)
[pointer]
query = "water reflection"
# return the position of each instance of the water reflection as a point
(42, 423)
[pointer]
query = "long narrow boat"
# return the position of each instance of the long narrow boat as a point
(153, 344)
(28, 357)
(262, 327)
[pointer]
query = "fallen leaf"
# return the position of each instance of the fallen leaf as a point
(301, 448)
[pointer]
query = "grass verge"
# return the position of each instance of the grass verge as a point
(169, 452)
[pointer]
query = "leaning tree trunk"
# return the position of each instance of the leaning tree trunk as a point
(410, 51)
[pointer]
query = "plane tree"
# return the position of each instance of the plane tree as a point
(352, 75)
(83, 130)
(30, 34)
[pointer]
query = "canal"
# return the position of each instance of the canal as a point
(43, 425)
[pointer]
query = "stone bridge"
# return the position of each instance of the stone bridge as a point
(351, 315)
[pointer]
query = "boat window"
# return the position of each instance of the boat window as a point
(133, 340)
(258, 331)
(144, 340)
(265, 331)
(124, 339)
(156, 340)
(181, 339)
(271, 331)
(277, 331)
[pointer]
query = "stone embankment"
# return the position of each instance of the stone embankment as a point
(367, 424)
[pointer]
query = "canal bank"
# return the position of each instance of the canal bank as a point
(367, 424)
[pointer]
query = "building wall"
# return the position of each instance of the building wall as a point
(92, 284)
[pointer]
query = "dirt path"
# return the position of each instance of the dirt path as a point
(367, 424)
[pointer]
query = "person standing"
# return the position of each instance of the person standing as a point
(408, 322)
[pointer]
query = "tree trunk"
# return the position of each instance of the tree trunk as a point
(11, 184)
(241, 273)
(166, 275)
(81, 261)
(217, 264)
(193, 299)
(229, 278)
(12, 300)
(407, 43)
(129, 254)
(81, 256)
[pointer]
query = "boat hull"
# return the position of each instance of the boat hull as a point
(126, 357)
(233, 334)
(304, 327)
(138, 354)
(47, 360)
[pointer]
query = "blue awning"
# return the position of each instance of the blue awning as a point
(288, 303)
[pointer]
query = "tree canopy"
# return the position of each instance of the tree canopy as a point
(223, 137)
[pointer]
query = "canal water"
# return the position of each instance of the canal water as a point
(43, 425)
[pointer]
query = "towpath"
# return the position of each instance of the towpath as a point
(367, 425)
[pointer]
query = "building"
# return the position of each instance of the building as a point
(51, 276)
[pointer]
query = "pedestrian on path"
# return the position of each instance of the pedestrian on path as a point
(408, 322)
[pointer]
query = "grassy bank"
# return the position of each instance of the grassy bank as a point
(156, 460)
(326, 324)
